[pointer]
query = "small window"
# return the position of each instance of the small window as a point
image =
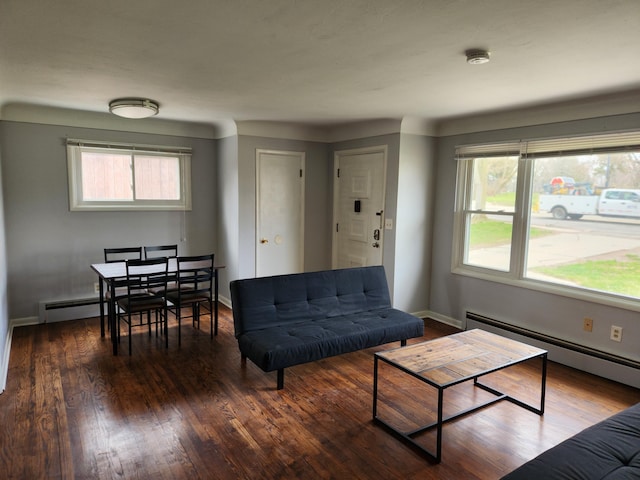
(128, 177)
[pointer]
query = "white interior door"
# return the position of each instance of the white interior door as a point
(280, 212)
(359, 188)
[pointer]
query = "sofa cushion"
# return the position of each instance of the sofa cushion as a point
(607, 450)
(282, 300)
(300, 342)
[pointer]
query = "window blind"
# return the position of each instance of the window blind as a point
(467, 152)
(554, 147)
(128, 146)
(584, 145)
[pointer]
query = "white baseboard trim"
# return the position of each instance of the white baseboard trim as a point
(441, 318)
(23, 322)
(225, 301)
(4, 366)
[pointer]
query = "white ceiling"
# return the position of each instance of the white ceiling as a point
(316, 62)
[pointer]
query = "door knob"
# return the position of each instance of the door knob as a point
(264, 240)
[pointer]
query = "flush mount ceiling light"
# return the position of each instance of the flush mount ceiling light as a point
(477, 56)
(133, 107)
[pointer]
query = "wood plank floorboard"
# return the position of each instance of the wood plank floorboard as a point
(71, 410)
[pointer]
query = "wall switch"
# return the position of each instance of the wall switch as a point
(388, 224)
(588, 324)
(96, 287)
(616, 333)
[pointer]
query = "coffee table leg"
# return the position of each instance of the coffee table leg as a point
(375, 387)
(544, 383)
(439, 426)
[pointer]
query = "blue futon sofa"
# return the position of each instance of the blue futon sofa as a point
(287, 320)
(609, 450)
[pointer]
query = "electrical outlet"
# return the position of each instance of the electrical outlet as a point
(588, 324)
(616, 333)
(96, 287)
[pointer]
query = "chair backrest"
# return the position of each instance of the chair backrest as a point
(156, 251)
(144, 275)
(122, 254)
(196, 273)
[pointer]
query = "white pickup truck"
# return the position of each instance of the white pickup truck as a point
(615, 202)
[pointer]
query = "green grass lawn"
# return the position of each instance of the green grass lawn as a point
(613, 276)
(506, 198)
(486, 232)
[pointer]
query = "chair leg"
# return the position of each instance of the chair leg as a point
(214, 320)
(179, 332)
(166, 327)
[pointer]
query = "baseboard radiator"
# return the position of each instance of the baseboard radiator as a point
(74, 304)
(558, 342)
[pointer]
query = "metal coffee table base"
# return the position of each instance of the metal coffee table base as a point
(409, 436)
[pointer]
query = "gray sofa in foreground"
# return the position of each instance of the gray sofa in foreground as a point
(286, 320)
(608, 450)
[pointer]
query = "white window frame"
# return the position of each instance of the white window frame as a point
(529, 149)
(74, 167)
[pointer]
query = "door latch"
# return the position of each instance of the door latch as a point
(376, 234)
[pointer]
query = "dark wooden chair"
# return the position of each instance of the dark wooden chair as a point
(156, 251)
(194, 277)
(162, 251)
(118, 254)
(143, 277)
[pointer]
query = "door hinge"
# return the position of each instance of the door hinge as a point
(337, 227)
(300, 173)
(338, 173)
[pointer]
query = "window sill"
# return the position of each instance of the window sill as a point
(592, 296)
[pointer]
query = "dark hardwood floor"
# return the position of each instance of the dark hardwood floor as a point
(72, 410)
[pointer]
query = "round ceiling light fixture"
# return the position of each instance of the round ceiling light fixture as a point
(134, 107)
(477, 56)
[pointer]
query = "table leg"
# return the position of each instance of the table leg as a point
(101, 283)
(215, 303)
(112, 319)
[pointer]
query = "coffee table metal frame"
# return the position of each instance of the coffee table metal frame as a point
(408, 436)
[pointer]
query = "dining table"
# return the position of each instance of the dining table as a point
(109, 272)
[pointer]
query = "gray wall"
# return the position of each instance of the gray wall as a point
(414, 222)
(556, 315)
(4, 302)
(228, 195)
(50, 248)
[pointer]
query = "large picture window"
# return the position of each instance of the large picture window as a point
(128, 177)
(564, 213)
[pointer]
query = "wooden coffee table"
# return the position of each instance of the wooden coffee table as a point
(451, 360)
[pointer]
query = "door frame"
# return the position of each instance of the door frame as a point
(301, 156)
(336, 193)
